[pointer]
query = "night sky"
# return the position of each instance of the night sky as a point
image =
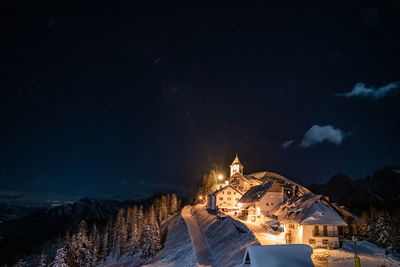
(114, 99)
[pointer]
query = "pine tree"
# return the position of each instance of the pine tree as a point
(20, 263)
(80, 246)
(60, 259)
(163, 208)
(132, 222)
(42, 259)
(383, 230)
(151, 240)
(94, 246)
(174, 204)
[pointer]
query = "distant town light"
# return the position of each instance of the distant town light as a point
(220, 177)
(200, 197)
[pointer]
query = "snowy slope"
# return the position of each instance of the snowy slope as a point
(228, 238)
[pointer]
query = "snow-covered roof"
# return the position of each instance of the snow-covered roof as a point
(239, 176)
(308, 209)
(267, 177)
(278, 255)
(223, 188)
(236, 160)
(255, 193)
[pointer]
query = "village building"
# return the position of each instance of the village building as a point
(310, 219)
(225, 199)
(259, 200)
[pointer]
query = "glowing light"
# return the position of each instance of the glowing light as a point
(258, 211)
(200, 197)
(220, 177)
(226, 182)
(240, 205)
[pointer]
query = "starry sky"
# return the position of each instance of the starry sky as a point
(116, 99)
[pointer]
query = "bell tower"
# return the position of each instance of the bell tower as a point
(236, 166)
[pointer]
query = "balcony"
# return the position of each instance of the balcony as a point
(325, 233)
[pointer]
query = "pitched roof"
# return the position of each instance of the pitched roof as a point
(236, 160)
(238, 175)
(255, 193)
(267, 177)
(308, 209)
(223, 188)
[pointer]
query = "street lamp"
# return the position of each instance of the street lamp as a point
(220, 177)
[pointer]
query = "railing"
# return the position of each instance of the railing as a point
(325, 233)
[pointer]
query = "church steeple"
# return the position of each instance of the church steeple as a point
(236, 166)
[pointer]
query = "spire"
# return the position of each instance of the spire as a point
(236, 160)
(236, 166)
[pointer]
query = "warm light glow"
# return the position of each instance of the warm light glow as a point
(226, 182)
(220, 177)
(240, 205)
(258, 211)
(200, 197)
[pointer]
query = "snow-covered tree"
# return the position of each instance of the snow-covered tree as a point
(94, 244)
(60, 259)
(42, 260)
(151, 240)
(20, 263)
(80, 246)
(174, 204)
(383, 229)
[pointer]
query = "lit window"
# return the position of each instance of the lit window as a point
(221, 198)
(272, 196)
(325, 241)
(311, 241)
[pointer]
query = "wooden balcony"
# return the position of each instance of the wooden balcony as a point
(325, 233)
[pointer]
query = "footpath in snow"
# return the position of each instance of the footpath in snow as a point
(200, 245)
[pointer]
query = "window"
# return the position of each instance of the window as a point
(223, 192)
(229, 198)
(325, 230)
(229, 192)
(316, 230)
(272, 204)
(325, 241)
(221, 198)
(234, 193)
(267, 204)
(311, 241)
(272, 196)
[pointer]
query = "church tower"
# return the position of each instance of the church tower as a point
(236, 166)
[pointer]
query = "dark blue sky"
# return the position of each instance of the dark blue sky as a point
(113, 99)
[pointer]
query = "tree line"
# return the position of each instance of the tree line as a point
(379, 227)
(133, 232)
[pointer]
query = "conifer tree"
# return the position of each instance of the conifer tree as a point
(383, 229)
(174, 204)
(60, 259)
(151, 241)
(42, 260)
(80, 246)
(94, 246)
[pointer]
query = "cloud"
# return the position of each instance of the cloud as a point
(285, 145)
(360, 90)
(318, 134)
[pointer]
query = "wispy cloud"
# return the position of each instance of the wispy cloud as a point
(360, 90)
(285, 145)
(318, 134)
